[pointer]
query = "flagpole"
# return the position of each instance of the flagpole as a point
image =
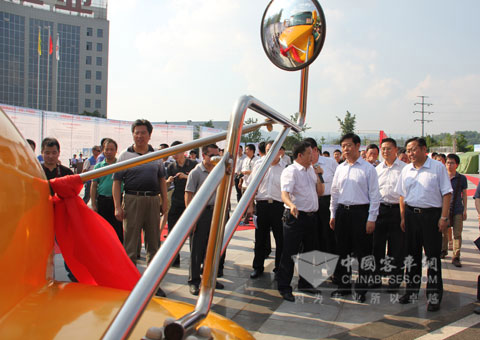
(48, 63)
(39, 52)
(57, 57)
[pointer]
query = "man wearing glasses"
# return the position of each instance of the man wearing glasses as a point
(199, 238)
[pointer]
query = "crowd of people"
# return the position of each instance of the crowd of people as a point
(380, 215)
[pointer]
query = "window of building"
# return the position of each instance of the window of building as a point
(89, 31)
(99, 47)
(88, 88)
(98, 75)
(89, 60)
(88, 74)
(87, 103)
(98, 89)
(99, 61)
(89, 45)
(98, 104)
(100, 33)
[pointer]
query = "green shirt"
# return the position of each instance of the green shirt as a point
(105, 183)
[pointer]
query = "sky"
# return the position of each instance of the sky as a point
(182, 60)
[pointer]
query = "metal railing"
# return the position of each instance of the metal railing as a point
(221, 176)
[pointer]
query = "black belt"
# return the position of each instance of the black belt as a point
(354, 206)
(209, 207)
(142, 193)
(105, 197)
(390, 205)
(269, 201)
(422, 210)
(301, 213)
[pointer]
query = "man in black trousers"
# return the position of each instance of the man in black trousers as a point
(354, 209)
(425, 193)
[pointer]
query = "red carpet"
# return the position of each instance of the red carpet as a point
(474, 180)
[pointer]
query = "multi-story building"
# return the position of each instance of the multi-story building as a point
(54, 55)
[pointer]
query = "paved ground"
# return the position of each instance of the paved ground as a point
(257, 306)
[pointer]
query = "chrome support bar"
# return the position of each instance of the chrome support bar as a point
(303, 97)
(133, 307)
(152, 156)
(181, 327)
(251, 189)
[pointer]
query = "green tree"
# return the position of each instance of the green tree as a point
(91, 114)
(462, 143)
(347, 125)
(254, 136)
(296, 136)
(208, 124)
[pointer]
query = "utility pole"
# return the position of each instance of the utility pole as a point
(423, 120)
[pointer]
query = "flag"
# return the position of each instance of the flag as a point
(57, 48)
(383, 135)
(39, 43)
(50, 44)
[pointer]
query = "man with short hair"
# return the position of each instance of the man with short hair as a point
(50, 150)
(177, 173)
(285, 158)
(248, 164)
(88, 165)
(145, 195)
(101, 190)
(458, 209)
(337, 155)
(327, 168)
(199, 238)
(371, 155)
(354, 210)
(387, 227)
(425, 194)
(301, 187)
(402, 155)
(269, 209)
(326, 154)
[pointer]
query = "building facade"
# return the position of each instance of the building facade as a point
(54, 55)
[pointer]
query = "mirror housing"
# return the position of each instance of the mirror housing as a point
(293, 33)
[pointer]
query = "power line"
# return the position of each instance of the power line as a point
(423, 120)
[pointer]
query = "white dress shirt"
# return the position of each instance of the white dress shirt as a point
(329, 165)
(269, 188)
(301, 184)
(424, 187)
(356, 184)
(238, 166)
(387, 180)
(247, 165)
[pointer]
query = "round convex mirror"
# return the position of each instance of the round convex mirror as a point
(293, 32)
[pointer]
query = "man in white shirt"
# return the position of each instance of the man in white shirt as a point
(425, 193)
(238, 172)
(327, 167)
(301, 187)
(284, 157)
(387, 227)
(354, 210)
(248, 163)
(269, 208)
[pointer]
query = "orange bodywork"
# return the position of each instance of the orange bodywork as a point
(32, 304)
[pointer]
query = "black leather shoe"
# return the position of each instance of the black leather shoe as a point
(256, 273)
(160, 293)
(288, 296)
(194, 289)
(219, 285)
(359, 297)
(340, 293)
(456, 262)
(176, 263)
(433, 307)
(407, 298)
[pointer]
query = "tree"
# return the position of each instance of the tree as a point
(254, 136)
(208, 124)
(347, 125)
(462, 143)
(91, 114)
(296, 136)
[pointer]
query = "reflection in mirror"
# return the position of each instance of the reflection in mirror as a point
(293, 32)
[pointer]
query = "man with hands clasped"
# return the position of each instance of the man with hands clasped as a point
(425, 193)
(354, 209)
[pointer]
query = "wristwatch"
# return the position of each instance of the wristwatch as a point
(444, 218)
